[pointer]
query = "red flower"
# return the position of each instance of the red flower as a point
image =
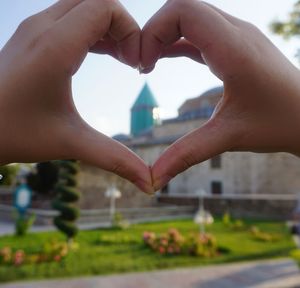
(57, 258)
(162, 250)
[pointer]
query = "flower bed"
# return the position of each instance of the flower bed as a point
(51, 252)
(174, 243)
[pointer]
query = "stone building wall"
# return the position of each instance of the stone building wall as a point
(176, 128)
(240, 173)
(93, 182)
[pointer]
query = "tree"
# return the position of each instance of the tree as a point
(44, 179)
(290, 27)
(8, 174)
(66, 199)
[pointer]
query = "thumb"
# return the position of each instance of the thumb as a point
(93, 147)
(202, 144)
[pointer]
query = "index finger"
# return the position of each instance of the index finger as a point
(91, 20)
(215, 35)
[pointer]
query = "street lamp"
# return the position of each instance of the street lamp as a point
(113, 193)
(202, 217)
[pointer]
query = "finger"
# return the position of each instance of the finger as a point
(183, 48)
(99, 150)
(92, 20)
(60, 8)
(107, 46)
(210, 140)
(233, 20)
(215, 36)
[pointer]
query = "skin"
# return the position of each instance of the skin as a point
(40, 121)
(258, 112)
(260, 107)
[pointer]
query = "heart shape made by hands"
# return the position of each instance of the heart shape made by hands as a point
(37, 65)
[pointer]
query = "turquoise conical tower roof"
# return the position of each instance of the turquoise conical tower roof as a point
(142, 111)
(145, 98)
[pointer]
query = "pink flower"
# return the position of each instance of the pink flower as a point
(19, 257)
(164, 242)
(57, 258)
(162, 250)
(170, 250)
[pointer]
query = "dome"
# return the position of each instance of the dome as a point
(205, 102)
(122, 137)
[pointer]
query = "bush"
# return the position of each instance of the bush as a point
(203, 245)
(23, 224)
(295, 254)
(44, 178)
(259, 235)
(119, 222)
(173, 243)
(67, 198)
(51, 252)
(234, 224)
(8, 173)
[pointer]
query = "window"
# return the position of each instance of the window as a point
(216, 162)
(216, 188)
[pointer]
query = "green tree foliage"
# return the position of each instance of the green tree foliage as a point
(66, 199)
(8, 173)
(44, 179)
(291, 27)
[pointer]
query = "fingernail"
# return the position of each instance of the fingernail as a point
(145, 70)
(145, 187)
(162, 182)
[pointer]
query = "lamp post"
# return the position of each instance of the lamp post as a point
(113, 193)
(202, 217)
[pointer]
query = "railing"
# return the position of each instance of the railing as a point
(235, 196)
(102, 215)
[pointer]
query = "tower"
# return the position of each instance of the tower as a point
(144, 112)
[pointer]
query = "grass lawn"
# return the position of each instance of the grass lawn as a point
(108, 251)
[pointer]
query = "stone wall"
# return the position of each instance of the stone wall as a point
(177, 128)
(240, 173)
(93, 182)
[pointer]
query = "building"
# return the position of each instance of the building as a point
(232, 173)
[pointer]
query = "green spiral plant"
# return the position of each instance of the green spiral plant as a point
(66, 198)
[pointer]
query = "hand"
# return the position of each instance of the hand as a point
(38, 119)
(260, 108)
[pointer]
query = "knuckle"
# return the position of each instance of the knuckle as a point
(28, 24)
(186, 156)
(181, 4)
(119, 169)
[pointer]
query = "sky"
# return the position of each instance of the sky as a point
(104, 89)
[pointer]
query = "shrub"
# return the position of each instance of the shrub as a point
(119, 222)
(234, 224)
(203, 245)
(259, 235)
(67, 197)
(169, 243)
(173, 243)
(8, 173)
(44, 178)
(295, 254)
(23, 224)
(52, 252)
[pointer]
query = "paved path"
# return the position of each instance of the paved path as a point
(258, 274)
